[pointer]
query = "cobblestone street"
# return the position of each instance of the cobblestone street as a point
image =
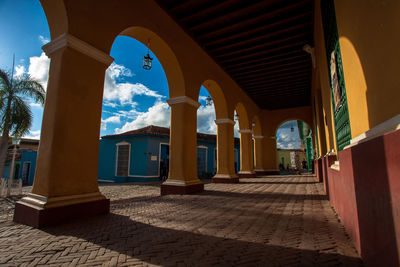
(271, 221)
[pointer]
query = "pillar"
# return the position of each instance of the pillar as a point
(65, 184)
(271, 163)
(246, 154)
(225, 152)
(263, 150)
(182, 176)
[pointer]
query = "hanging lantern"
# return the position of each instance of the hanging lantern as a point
(253, 124)
(208, 101)
(147, 59)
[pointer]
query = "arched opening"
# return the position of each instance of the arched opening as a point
(294, 147)
(134, 111)
(212, 112)
(245, 127)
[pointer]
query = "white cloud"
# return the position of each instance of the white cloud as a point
(33, 104)
(236, 130)
(286, 139)
(112, 119)
(39, 69)
(205, 120)
(43, 39)
(33, 135)
(19, 70)
(123, 92)
(159, 115)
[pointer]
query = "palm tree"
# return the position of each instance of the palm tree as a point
(15, 113)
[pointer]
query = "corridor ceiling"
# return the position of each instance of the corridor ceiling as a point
(258, 43)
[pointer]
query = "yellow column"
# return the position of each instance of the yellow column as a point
(65, 184)
(271, 163)
(182, 177)
(225, 152)
(246, 154)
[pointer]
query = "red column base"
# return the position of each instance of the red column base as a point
(218, 180)
(43, 217)
(168, 189)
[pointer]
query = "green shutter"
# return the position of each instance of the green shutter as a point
(309, 153)
(316, 128)
(338, 89)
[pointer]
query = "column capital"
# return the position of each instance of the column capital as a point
(258, 137)
(246, 131)
(68, 40)
(224, 121)
(183, 99)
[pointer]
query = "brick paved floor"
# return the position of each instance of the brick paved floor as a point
(271, 221)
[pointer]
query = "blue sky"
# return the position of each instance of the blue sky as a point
(133, 97)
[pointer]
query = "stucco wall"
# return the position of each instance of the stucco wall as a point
(28, 156)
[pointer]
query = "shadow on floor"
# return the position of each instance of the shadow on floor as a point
(263, 195)
(170, 247)
(243, 181)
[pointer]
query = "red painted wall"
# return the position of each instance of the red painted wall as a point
(366, 195)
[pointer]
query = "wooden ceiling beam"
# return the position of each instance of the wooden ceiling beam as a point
(268, 59)
(282, 76)
(305, 61)
(218, 8)
(257, 48)
(284, 70)
(268, 86)
(252, 21)
(252, 8)
(266, 63)
(233, 37)
(259, 54)
(259, 38)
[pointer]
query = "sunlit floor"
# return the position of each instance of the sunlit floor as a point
(269, 221)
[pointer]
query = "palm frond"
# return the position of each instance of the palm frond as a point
(21, 116)
(5, 80)
(30, 87)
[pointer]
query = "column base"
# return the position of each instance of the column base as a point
(180, 187)
(225, 179)
(247, 174)
(38, 211)
(266, 172)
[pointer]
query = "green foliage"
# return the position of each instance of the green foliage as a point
(15, 113)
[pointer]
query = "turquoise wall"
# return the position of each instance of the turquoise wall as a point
(143, 148)
(138, 159)
(28, 156)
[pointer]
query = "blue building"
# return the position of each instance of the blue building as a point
(28, 166)
(137, 156)
(24, 160)
(143, 155)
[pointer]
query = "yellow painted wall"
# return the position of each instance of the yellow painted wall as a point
(323, 76)
(370, 41)
(185, 63)
(285, 154)
(271, 120)
(76, 87)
